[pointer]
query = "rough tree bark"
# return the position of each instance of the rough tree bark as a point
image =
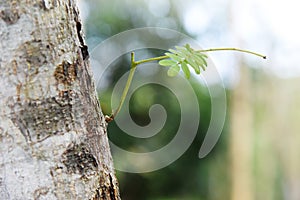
(53, 141)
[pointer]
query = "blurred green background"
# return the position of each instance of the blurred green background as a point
(257, 155)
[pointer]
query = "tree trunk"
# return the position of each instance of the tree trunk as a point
(241, 137)
(53, 139)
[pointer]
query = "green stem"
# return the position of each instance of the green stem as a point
(128, 83)
(234, 49)
(134, 64)
(151, 59)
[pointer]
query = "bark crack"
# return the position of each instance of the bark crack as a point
(112, 188)
(83, 46)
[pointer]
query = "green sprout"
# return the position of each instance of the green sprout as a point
(183, 57)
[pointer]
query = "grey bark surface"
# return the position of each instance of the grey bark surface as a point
(53, 139)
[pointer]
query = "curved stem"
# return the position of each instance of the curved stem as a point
(151, 59)
(128, 83)
(234, 49)
(204, 50)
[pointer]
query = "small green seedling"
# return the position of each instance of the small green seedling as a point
(183, 57)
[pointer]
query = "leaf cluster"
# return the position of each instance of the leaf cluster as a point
(184, 58)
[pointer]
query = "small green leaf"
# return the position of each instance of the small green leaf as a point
(174, 57)
(178, 53)
(167, 62)
(174, 51)
(187, 57)
(185, 70)
(202, 54)
(203, 57)
(194, 65)
(200, 61)
(188, 47)
(183, 52)
(199, 58)
(173, 71)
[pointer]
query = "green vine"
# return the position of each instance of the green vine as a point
(183, 57)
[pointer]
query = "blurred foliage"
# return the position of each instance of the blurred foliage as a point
(189, 177)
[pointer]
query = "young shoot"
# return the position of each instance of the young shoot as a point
(181, 58)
